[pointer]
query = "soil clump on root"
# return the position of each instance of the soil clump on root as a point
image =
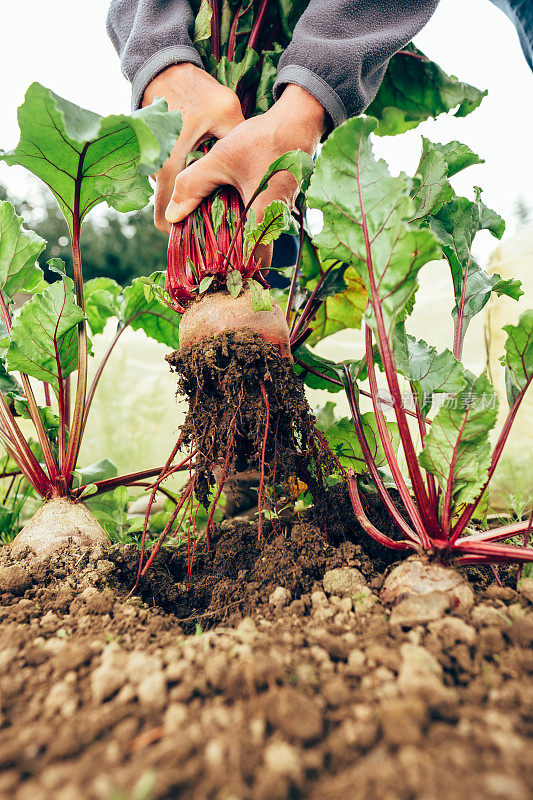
(247, 411)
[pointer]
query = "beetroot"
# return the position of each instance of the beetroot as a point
(247, 408)
(215, 313)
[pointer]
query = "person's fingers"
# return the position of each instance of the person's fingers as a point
(166, 176)
(228, 116)
(196, 182)
(163, 191)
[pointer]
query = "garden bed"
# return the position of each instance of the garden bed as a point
(255, 682)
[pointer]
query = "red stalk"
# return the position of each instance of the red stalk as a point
(184, 251)
(527, 534)
(447, 503)
(98, 375)
(215, 29)
(388, 448)
(428, 513)
(497, 534)
(288, 311)
(258, 24)
(233, 32)
(337, 382)
(458, 345)
(67, 402)
(466, 516)
(79, 404)
(412, 55)
(261, 492)
(367, 525)
(430, 479)
(32, 406)
(371, 464)
(19, 450)
(311, 306)
(492, 551)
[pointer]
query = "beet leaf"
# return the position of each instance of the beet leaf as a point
(455, 226)
(457, 448)
(518, 358)
(414, 89)
(44, 342)
(366, 213)
(19, 251)
(343, 441)
(86, 159)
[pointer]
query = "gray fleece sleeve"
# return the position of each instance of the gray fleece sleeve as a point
(340, 49)
(150, 35)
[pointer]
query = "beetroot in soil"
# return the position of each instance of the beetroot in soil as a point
(247, 411)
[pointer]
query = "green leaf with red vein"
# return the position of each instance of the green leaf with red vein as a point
(322, 365)
(458, 156)
(438, 162)
(277, 219)
(156, 319)
(518, 358)
(455, 227)
(429, 371)
(366, 213)
(44, 340)
(19, 251)
(298, 163)
(344, 296)
(415, 88)
(457, 448)
(344, 443)
(86, 159)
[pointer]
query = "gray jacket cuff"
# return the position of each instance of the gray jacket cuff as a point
(315, 85)
(158, 62)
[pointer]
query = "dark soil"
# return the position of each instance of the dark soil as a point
(235, 571)
(247, 410)
(284, 693)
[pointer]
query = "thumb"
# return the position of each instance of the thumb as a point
(195, 183)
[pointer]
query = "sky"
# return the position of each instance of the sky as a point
(63, 45)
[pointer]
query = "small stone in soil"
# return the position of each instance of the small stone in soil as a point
(343, 581)
(295, 715)
(280, 597)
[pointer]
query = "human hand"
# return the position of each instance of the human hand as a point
(208, 110)
(243, 156)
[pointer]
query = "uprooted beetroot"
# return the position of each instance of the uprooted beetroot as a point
(247, 408)
(247, 412)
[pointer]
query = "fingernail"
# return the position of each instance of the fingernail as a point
(172, 212)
